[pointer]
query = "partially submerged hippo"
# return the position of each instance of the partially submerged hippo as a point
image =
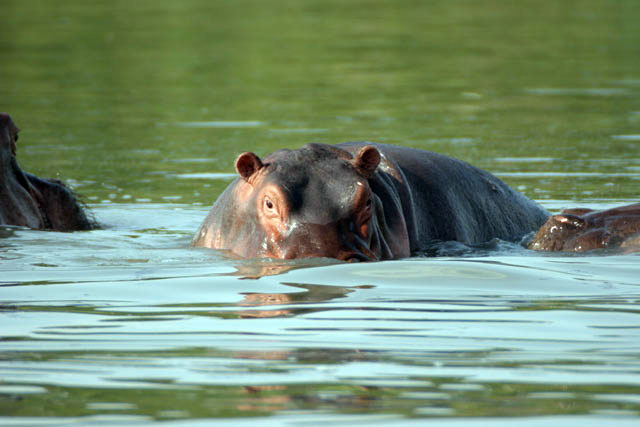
(30, 201)
(361, 201)
(579, 230)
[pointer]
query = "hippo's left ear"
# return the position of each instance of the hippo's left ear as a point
(367, 160)
(248, 164)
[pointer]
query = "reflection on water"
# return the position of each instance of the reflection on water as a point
(144, 106)
(579, 91)
(219, 124)
(311, 294)
(598, 175)
(626, 137)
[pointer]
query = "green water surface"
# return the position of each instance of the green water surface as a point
(142, 107)
(122, 96)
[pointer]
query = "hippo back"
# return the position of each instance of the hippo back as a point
(448, 199)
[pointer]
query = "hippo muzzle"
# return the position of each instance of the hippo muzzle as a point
(340, 240)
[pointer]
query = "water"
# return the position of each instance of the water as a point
(142, 108)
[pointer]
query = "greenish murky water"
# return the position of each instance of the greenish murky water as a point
(143, 106)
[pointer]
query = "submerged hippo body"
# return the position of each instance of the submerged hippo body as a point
(29, 201)
(579, 230)
(361, 201)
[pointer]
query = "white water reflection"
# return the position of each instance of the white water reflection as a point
(221, 124)
(524, 159)
(626, 137)
(207, 175)
(604, 91)
(566, 174)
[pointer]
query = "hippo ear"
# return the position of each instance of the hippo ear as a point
(367, 160)
(13, 142)
(248, 164)
(570, 221)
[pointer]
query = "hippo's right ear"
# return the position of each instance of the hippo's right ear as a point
(367, 160)
(570, 221)
(248, 164)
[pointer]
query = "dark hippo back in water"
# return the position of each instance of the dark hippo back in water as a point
(361, 201)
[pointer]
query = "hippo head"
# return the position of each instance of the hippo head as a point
(11, 175)
(312, 202)
(558, 233)
(18, 198)
(570, 231)
(27, 200)
(8, 138)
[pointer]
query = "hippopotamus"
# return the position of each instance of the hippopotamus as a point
(33, 202)
(581, 229)
(361, 201)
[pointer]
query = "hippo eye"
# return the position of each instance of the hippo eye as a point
(268, 203)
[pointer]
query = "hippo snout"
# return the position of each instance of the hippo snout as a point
(354, 257)
(327, 240)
